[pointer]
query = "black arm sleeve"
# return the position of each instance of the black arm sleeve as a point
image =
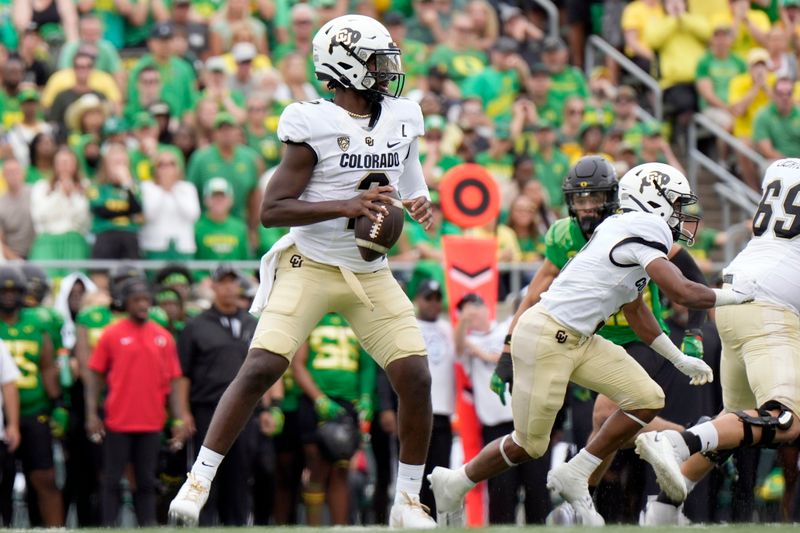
(134, 208)
(686, 264)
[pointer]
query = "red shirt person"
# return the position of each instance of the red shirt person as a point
(138, 362)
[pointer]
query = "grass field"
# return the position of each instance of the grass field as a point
(768, 528)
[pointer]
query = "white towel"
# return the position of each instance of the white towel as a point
(266, 271)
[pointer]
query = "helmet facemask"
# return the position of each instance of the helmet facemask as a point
(600, 202)
(683, 224)
(384, 73)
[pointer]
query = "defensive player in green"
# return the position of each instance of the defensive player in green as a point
(337, 377)
(29, 342)
(590, 190)
(38, 287)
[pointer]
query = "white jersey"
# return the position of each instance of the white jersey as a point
(441, 361)
(487, 405)
(771, 260)
(350, 160)
(608, 272)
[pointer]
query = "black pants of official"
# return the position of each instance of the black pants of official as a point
(229, 498)
(84, 461)
(504, 489)
(438, 455)
(385, 448)
(141, 450)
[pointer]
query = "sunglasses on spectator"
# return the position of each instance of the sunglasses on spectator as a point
(302, 22)
(167, 163)
(783, 93)
(149, 81)
(575, 111)
(83, 66)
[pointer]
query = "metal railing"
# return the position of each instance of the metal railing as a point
(595, 44)
(745, 196)
(517, 271)
(552, 16)
(728, 201)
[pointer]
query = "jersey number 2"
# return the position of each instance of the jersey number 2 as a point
(370, 181)
(787, 227)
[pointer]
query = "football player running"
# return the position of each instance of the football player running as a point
(343, 158)
(555, 340)
(760, 366)
(590, 190)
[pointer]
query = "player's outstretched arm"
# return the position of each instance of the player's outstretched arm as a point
(688, 293)
(644, 324)
(281, 206)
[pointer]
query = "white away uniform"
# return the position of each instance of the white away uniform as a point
(317, 268)
(554, 341)
(761, 339)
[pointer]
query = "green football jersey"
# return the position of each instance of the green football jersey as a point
(563, 241)
(291, 392)
(337, 363)
(52, 322)
(24, 340)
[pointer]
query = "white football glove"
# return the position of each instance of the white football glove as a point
(742, 292)
(697, 370)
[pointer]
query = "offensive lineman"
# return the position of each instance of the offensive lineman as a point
(760, 367)
(342, 159)
(590, 190)
(555, 343)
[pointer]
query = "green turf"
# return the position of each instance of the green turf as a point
(768, 528)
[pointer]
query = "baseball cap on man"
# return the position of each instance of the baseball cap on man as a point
(218, 186)
(428, 287)
(223, 271)
(757, 55)
(469, 298)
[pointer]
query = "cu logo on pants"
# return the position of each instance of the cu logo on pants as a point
(561, 336)
(296, 261)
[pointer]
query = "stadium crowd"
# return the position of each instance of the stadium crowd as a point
(147, 129)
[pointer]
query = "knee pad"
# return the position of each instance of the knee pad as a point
(768, 423)
(535, 447)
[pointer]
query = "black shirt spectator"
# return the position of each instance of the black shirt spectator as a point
(212, 349)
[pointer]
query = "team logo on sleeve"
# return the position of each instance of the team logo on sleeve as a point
(344, 142)
(654, 178)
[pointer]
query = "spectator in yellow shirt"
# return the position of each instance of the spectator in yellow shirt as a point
(99, 81)
(635, 18)
(750, 27)
(680, 40)
(747, 94)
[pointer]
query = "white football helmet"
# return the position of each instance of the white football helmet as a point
(661, 190)
(358, 53)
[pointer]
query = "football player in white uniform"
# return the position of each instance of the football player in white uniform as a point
(760, 367)
(343, 157)
(555, 342)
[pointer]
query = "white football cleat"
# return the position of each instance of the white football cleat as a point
(664, 455)
(185, 508)
(574, 488)
(410, 514)
(562, 515)
(449, 493)
(662, 514)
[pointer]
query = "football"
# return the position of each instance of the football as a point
(374, 239)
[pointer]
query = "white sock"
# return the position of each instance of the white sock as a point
(689, 484)
(585, 463)
(463, 479)
(709, 438)
(206, 464)
(409, 480)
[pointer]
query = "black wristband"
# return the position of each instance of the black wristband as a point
(508, 339)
